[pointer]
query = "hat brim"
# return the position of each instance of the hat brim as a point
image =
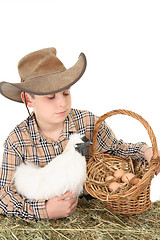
(45, 84)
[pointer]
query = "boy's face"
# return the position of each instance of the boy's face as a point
(50, 109)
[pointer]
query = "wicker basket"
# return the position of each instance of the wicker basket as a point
(129, 199)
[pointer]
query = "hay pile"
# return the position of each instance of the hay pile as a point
(91, 221)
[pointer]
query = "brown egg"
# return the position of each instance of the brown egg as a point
(135, 181)
(113, 186)
(127, 177)
(119, 173)
(109, 178)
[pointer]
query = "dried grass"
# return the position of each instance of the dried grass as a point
(91, 221)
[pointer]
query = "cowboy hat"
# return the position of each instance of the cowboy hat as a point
(42, 73)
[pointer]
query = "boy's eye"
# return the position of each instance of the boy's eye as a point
(66, 92)
(51, 97)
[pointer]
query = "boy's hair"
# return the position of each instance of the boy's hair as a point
(32, 96)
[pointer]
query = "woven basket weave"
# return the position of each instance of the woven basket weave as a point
(131, 199)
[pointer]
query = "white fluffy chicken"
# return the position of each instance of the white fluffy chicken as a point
(66, 172)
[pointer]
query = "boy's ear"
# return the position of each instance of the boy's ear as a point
(28, 99)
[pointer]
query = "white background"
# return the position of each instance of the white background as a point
(121, 40)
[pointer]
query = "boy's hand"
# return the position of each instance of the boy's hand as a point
(58, 207)
(148, 155)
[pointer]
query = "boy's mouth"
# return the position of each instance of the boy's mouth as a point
(61, 113)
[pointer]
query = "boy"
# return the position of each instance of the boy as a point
(45, 87)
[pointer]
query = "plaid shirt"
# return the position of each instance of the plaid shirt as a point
(25, 143)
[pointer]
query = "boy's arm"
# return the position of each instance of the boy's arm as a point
(107, 142)
(11, 203)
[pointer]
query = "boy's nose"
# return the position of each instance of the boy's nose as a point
(61, 101)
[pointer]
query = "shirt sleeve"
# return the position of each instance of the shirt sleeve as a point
(107, 142)
(11, 203)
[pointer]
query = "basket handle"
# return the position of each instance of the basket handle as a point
(134, 115)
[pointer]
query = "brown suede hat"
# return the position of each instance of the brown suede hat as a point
(42, 73)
